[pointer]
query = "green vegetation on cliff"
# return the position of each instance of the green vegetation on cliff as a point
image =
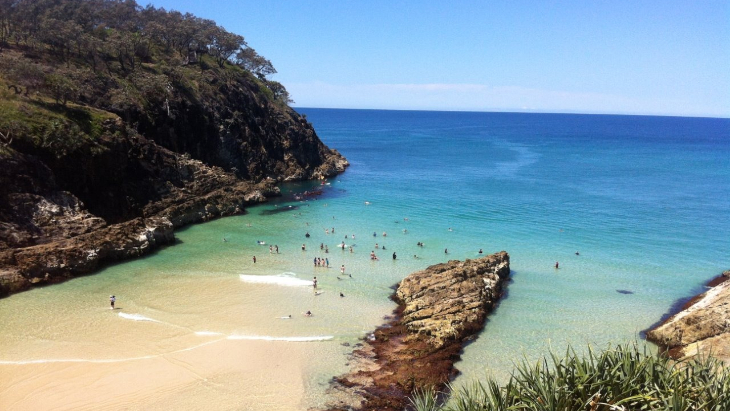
(112, 113)
(620, 378)
(82, 79)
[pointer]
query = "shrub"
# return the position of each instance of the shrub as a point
(621, 378)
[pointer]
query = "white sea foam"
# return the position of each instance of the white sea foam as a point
(104, 361)
(275, 280)
(138, 317)
(289, 339)
(207, 333)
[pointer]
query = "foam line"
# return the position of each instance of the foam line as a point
(207, 333)
(288, 339)
(275, 280)
(138, 317)
(106, 361)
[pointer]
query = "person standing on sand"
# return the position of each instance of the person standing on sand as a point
(314, 283)
(254, 259)
(112, 300)
(277, 249)
(342, 269)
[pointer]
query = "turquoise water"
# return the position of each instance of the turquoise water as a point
(644, 200)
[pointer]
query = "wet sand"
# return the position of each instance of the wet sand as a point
(211, 376)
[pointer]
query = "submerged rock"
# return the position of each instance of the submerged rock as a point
(439, 310)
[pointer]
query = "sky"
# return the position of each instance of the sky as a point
(663, 57)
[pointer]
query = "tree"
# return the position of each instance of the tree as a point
(62, 89)
(248, 59)
(280, 93)
(222, 44)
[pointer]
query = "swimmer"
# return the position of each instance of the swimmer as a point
(394, 256)
(276, 247)
(304, 248)
(342, 269)
(480, 251)
(376, 245)
(577, 253)
(375, 234)
(225, 240)
(450, 229)
(307, 235)
(385, 234)
(446, 250)
(351, 249)
(557, 265)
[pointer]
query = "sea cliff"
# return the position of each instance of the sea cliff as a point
(110, 139)
(439, 310)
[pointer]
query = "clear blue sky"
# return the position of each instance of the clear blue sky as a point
(662, 57)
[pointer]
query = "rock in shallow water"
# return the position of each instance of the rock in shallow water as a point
(439, 310)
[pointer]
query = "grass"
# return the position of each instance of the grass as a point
(621, 378)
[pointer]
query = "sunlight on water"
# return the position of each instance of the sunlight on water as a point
(649, 225)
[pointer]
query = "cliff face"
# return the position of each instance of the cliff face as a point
(439, 309)
(702, 327)
(110, 175)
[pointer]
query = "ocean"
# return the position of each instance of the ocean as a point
(635, 210)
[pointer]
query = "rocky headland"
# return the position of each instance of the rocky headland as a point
(110, 139)
(439, 310)
(701, 327)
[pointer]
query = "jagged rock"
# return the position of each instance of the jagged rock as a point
(69, 205)
(448, 301)
(702, 327)
(439, 309)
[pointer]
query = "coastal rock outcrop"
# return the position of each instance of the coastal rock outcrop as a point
(439, 309)
(133, 155)
(702, 327)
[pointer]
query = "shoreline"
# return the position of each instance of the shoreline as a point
(698, 325)
(62, 259)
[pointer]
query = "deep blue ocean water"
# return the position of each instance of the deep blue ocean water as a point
(645, 201)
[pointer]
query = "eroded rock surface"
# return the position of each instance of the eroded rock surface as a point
(439, 309)
(703, 326)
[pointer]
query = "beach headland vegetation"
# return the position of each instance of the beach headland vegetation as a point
(119, 123)
(619, 378)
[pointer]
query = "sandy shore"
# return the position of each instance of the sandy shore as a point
(221, 375)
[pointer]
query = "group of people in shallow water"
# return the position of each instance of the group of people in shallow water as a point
(324, 262)
(321, 262)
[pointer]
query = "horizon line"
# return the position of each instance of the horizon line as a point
(514, 111)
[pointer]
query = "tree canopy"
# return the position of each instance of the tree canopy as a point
(119, 35)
